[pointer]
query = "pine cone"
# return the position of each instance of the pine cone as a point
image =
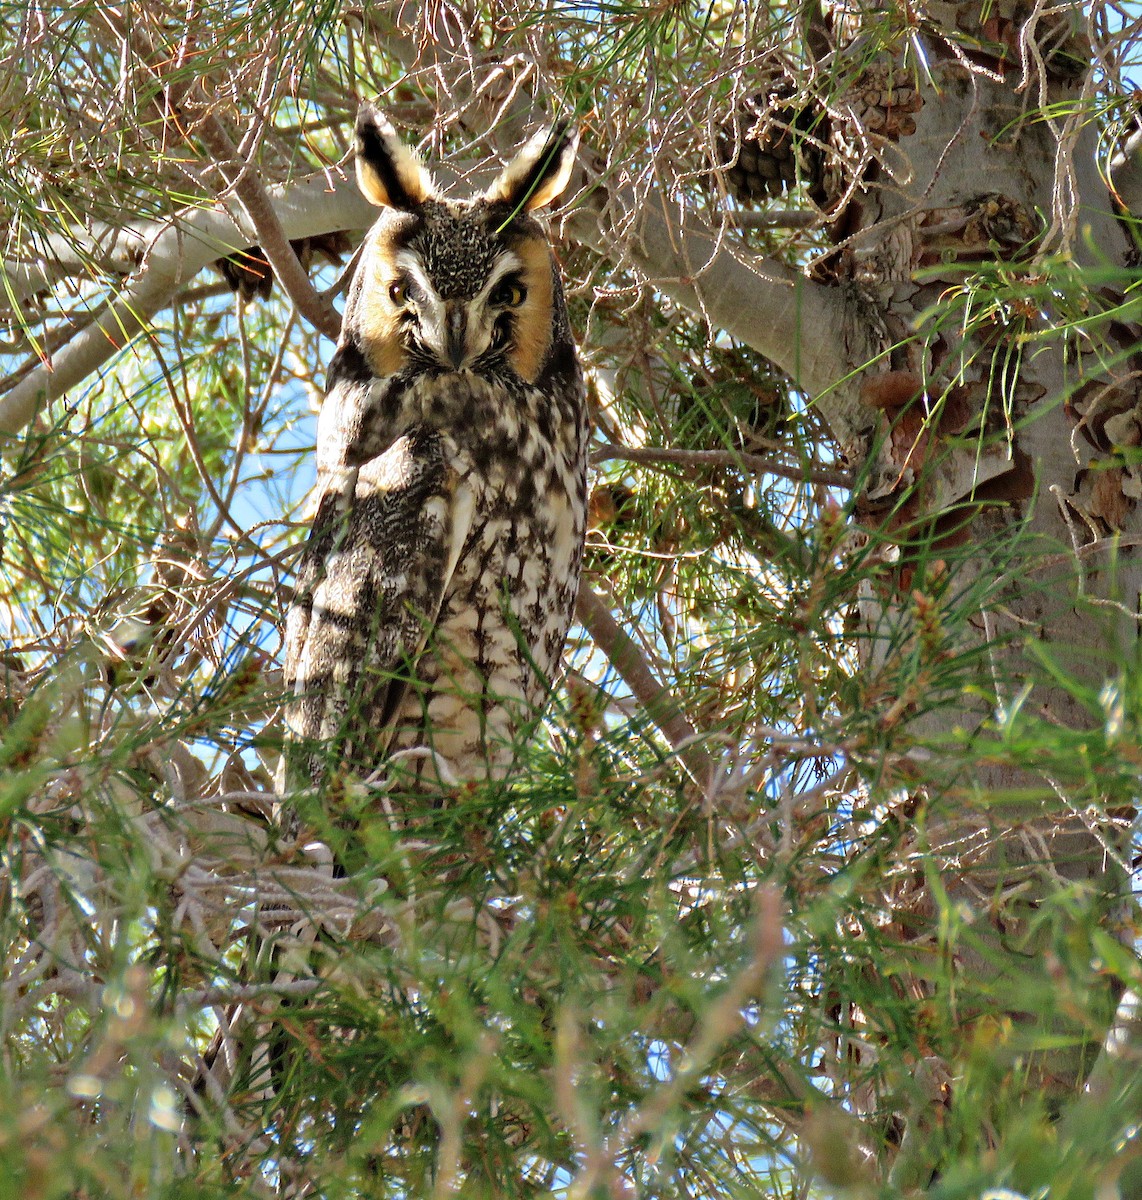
(769, 144)
(883, 99)
(248, 273)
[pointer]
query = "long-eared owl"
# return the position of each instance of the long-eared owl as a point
(439, 579)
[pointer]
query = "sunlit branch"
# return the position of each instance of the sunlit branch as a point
(175, 253)
(272, 238)
(661, 707)
(804, 328)
(723, 458)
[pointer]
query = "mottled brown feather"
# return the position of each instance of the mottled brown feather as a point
(439, 578)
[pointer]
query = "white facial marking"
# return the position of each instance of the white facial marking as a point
(435, 316)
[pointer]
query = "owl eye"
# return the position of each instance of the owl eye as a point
(398, 293)
(508, 293)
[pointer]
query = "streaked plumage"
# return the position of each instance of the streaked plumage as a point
(439, 580)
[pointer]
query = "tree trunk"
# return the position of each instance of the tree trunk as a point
(997, 429)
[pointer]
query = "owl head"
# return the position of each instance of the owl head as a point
(455, 285)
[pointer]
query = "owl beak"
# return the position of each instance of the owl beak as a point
(456, 327)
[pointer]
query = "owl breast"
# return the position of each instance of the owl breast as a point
(439, 581)
(497, 641)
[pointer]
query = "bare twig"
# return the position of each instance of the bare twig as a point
(723, 458)
(661, 707)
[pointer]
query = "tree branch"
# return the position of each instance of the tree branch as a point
(723, 458)
(661, 707)
(107, 248)
(177, 251)
(271, 237)
(807, 330)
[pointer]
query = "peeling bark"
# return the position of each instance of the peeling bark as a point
(980, 417)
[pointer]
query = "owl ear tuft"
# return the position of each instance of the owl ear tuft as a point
(540, 171)
(389, 174)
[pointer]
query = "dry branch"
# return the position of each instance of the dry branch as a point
(661, 707)
(723, 458)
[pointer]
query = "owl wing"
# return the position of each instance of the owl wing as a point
(383, 548)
